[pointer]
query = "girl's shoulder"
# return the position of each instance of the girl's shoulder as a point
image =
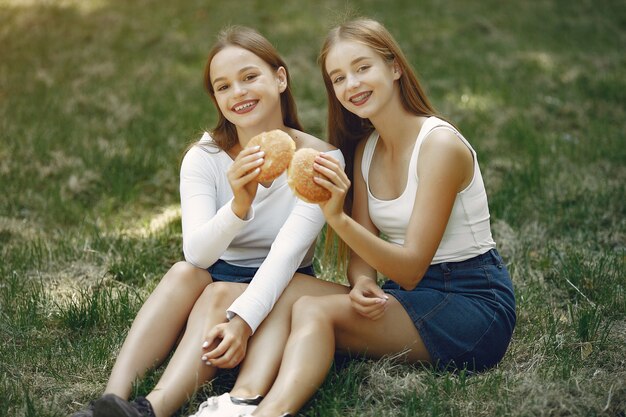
(204, 153)
(305, 140)
(205, 145)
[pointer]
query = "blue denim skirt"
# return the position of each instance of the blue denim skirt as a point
(464, 311)
(223, 271)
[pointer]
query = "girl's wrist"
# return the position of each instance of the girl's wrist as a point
(338, 222)
(356, 280)
(240, 210)
(242, 325)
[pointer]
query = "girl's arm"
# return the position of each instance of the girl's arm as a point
(358, 268)
(293, 241)
(444, 167)
(207, 229)
(249, 310)
(367, 298)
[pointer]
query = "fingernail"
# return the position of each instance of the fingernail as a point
(208, 363)
(205, 345)
(257, 147)
(204, 358)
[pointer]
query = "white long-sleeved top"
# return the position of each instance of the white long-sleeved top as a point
(277, 236)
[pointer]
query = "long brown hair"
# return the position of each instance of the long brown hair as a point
(346, 129)
(224, 133)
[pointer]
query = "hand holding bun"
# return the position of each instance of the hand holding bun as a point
(301, 174)
(279, 148)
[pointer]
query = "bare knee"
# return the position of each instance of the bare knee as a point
(310, 311)
(185, 277)
(186, 271)
(219, 295)
(211, 305)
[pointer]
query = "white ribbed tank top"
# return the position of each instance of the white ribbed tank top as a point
(468, 232)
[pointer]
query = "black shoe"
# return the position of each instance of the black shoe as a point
(143, 405)
(110, 405)
(87, 412)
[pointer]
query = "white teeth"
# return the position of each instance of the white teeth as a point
(361, 97)
(244, 106)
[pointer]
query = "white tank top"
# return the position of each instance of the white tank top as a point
(468, 232)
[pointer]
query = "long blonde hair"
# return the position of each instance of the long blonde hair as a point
(224, 133)
(346, 129)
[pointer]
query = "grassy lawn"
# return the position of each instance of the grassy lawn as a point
(99, 98)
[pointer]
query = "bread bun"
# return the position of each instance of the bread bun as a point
(301, 174)
(279, 149)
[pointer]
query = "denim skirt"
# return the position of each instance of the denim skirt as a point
(464, 311)
(223, 271)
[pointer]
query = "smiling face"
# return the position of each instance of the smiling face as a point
(363, 82)
(247, 90)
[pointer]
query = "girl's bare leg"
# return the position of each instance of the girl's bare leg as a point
(321, 324)
(186, 372)
(157, 325)
(265, 350)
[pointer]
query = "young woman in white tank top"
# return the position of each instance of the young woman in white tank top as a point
(418, 215)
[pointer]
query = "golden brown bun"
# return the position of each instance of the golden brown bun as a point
(300, 177)
(279, 149)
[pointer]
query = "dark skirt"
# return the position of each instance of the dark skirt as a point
(223, 271)
(464, 311)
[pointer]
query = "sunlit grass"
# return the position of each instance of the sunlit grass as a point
(82, 5)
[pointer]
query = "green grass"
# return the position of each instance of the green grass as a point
(98, 99)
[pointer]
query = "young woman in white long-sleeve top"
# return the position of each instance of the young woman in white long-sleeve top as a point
(244, 243)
